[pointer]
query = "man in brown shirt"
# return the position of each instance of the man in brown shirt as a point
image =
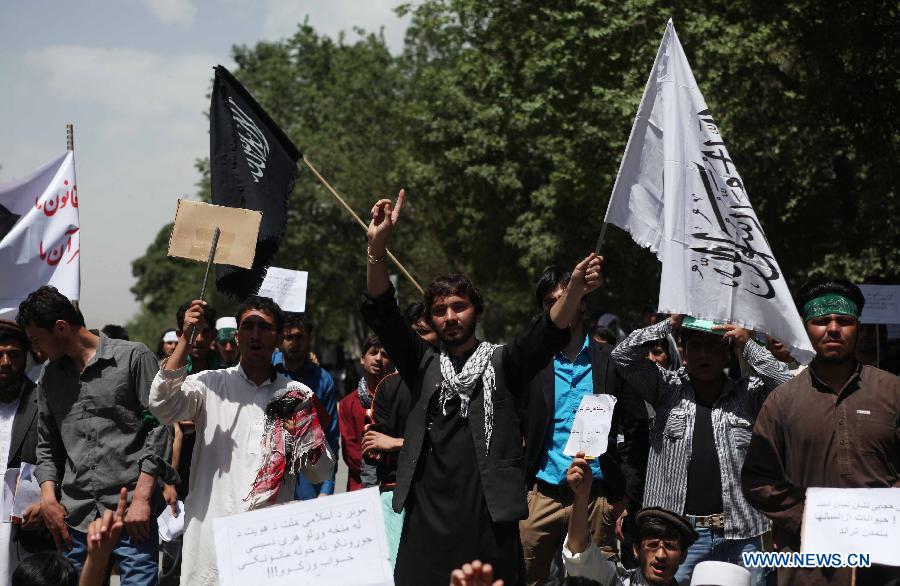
(833, 425)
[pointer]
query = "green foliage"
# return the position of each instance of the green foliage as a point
(506, 122)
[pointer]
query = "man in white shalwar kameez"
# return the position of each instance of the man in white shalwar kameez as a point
(229, 408)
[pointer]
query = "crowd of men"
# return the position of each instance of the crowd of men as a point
(715, 435)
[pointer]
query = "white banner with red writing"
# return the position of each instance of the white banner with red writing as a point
(679, 194)
(39, 234)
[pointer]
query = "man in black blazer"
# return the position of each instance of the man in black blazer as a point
(461, 475)
(18, 401)
(548, 411)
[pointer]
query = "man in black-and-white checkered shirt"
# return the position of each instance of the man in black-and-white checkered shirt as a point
(701, 433)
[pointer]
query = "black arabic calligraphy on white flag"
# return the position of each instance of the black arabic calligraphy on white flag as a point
(679, 194)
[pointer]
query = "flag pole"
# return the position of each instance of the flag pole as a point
(209, 262)
(602, 238)
(70, 147)
(361, 223)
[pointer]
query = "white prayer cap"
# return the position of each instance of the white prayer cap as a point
(170, 336)
(226, 322)
(719, 574)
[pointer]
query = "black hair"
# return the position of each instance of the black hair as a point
(414, 312)
(209, 314)
(371, 341)
(552, 277)
(603, 333)
(264, 304)
(9, 334)
(42, 308)
(453, 284)
(656, 528)
(48, 568)
(116, 332)
(825, 285)
(293, 319)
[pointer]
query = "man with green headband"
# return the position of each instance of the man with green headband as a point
(226, 344)
(701, 433)
(833, 425)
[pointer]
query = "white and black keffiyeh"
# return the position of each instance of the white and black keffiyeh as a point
(477, 367)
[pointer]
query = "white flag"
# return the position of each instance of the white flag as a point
(679, 194)
(39, 234)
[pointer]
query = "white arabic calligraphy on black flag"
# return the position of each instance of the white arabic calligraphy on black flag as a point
(679, 194)
(40, 234)
(253, 165)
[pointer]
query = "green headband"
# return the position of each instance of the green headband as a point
(827, 305)
(225, 335)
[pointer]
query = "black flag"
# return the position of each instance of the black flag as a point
(253, 165)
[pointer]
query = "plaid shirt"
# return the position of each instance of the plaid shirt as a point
(733, 415)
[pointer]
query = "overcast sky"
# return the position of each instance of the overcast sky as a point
(132, 76)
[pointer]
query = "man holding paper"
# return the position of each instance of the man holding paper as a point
(833, 425)
(701, 432)
(461, 475)
(582, 369)
(255, 430)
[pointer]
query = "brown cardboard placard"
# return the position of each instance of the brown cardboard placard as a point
(195, 223)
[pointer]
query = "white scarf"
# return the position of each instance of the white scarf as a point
(477, 367)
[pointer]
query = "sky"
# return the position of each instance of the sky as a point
(133, 76)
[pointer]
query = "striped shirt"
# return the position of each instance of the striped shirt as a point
(733, 415)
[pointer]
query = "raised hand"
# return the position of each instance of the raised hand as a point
(587, 275)
(194, 316)
(474, 574)
(732, 332)
(385, 216)
(579, 476)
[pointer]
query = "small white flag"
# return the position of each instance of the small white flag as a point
(39, 234)
(679, 194)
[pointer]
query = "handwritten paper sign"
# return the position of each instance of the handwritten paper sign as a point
(28, 491)
(590, 430)
(195, 223)
(853, 520)
(286, 287)
(882, 304)
(338, 540)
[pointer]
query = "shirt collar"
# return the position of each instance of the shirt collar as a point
(240, 370)
(857, 373)
(584, 349)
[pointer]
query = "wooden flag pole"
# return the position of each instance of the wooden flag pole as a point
(361, 223)
(70, 137)
(601, 239)
(209, 262)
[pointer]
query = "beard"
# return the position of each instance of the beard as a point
(11, 387)
(460, 338)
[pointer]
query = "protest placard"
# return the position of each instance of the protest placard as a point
(28, 491)
(590, 430)
(338, 540)
(853, 520)
(195, 223)
(882, 304)
(286, 287)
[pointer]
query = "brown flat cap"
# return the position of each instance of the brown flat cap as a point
(683, 526)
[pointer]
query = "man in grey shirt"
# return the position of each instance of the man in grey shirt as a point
(95, 433)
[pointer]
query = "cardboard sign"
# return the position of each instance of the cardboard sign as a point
(337, 540)
(882, 304)
(195, 223)
(590, 430)
(287, 288)
(852, 520)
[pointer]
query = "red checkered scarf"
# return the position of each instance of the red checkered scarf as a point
(286, 451)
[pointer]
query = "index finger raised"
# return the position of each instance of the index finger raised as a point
(123, 503)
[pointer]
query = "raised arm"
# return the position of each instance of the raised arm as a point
(379, 308)
(768, 371)
(172, 398)
(642, 374)
(530, 352)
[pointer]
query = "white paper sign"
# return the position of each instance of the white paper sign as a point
(336, 540)
(286, 287)
(853, 520)
(171, 526)
(28, 491)
(882, 304)
(10, 478)
(590, 430)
